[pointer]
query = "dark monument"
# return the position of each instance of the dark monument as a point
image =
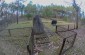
(39, 39)
(38, 25)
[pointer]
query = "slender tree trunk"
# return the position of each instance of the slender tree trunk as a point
(77, 19)
(17, 16)
(17, 11)
(77, 8)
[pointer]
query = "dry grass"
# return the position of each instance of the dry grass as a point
(20, 37)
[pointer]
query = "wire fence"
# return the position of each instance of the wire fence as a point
(68, 36)
(65, 40)
(17, 32)
(18, 37)
(61, 42)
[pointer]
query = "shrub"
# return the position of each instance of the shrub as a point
(83, 21)
(29, 16)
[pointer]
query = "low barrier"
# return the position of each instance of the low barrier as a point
(68, 36)
(16, 32)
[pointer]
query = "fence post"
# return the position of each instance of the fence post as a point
(74, 26)
(32, 42)
(56, 28)
(62, 46)
(28, 49)
(68, 27)
(74, 40)
(9, 31)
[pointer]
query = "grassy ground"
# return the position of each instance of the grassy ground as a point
(20, 25)
(20, 37)
(19, 32)
(46, 22)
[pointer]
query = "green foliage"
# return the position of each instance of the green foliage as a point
(30, 8)
(65, 19)
(83, 21)
(29, 16)
(70, 8)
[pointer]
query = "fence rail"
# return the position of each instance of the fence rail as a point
(66, 33)
(62, 31)
(16, 32)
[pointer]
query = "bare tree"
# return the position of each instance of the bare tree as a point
(77, 8)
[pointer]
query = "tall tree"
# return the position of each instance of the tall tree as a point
(31, 9)
(77, 8)
(18, 3)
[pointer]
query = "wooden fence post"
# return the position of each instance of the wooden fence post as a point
(74, 40)
(56, 28)
(64, 40)
(32, 40)
(68, 27)
(74, 26)
(9, 31)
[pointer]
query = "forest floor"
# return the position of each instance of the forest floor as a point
(79, 46)
(7, 48)
(77, 49)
